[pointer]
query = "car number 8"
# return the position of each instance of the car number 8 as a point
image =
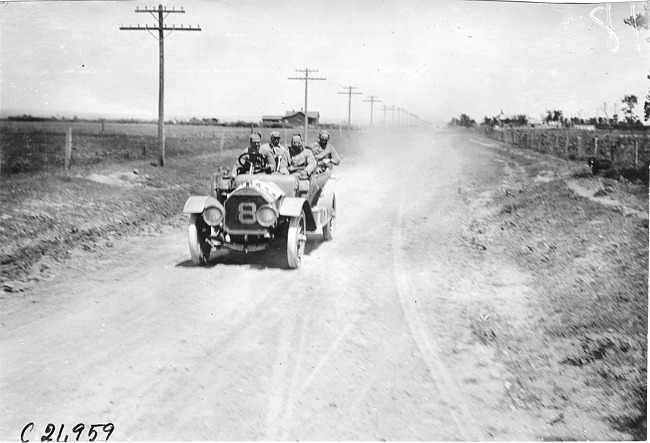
(247, 213)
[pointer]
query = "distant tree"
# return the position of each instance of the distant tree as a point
(629, 101)
(548, 117)
(642, 21)
(557, 116)
(466, 121)
(646, 106)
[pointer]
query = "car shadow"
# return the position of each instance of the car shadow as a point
(274, 257)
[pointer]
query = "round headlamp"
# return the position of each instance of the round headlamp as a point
(266, 216)
(213, 215)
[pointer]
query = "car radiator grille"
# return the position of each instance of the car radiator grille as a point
(240, 212)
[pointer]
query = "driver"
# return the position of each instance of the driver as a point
(325, 154)
(259, 157)
(302, 162)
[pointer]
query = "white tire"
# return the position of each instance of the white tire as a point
(296, 239)
(197, 232)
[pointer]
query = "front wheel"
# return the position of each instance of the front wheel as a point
(330, 227)
(197, 234)
(296, 239)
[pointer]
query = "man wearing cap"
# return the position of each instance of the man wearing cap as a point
(324, 154)
(280, 153)
(302, 162)
(257, 156)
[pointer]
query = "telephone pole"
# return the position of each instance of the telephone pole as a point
(349, 94)
(306, 79)
(372, 101)
(384, 108)
(157, 13)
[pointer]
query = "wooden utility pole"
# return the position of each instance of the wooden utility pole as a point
(68, 149)
(349, 94)
(306, 79)
(384, 108)
(372, 101)
(160, 14)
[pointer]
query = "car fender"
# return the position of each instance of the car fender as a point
(197, 203)
(327, 193)
(291, 207)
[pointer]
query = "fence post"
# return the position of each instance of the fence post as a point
(68, 148)
(221, 142)
(566, 142)
(595, 146)
(579, 146)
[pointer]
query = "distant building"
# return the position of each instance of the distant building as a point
(585, 127)
(272, 119)
(298, 118)
(292, 118)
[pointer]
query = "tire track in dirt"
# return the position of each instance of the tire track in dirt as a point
(291, 375)
(440, 374)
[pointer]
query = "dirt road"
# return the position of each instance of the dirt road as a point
(374, 338)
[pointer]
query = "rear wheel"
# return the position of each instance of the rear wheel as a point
(296, 239)
(330, 228)
(197, 234)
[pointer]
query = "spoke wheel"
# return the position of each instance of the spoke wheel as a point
(296, 239)
(330, 228)
(197, 234)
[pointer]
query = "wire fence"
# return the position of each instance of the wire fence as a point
(622, 149)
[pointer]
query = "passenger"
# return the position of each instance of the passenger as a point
(302, 162)
(280, 153)
(324, 153)
(259, 157)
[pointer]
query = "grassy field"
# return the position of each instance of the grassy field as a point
(30, 147)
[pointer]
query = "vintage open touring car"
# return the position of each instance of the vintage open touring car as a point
(250, 209)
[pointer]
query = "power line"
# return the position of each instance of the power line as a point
(372, 101)
(349, 94)
(157, 13)
(306, 79)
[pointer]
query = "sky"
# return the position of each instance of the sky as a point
(436, 59)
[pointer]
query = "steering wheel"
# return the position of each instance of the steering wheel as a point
(257, 160)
